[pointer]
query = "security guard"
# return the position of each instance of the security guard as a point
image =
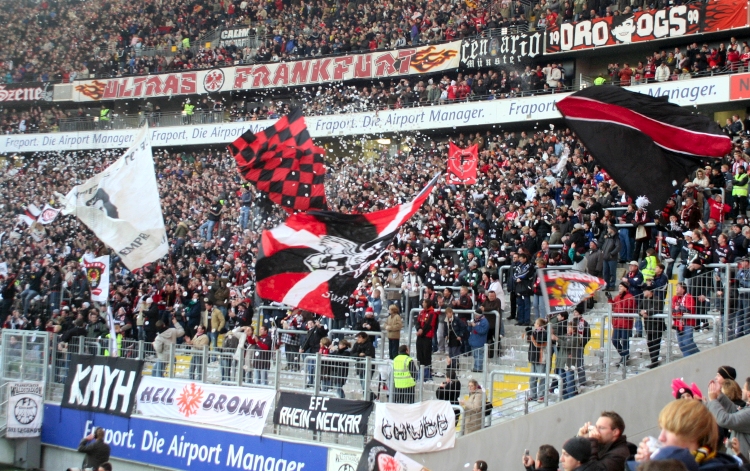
(599, 80)
(118, 341)
(104, 117)
(186, 43)
(739, 190)
(404, 372)
(649, 270)
(188, 111)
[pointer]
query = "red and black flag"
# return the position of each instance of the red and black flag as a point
(314, 261)
(283, 162)
(563, 290)
(462, 165)
(648, 145)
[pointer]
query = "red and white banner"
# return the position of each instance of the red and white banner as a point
(244, 409)
(412, 61)
(648, 25)
(48, 215)
(462, 165)
(97, 272)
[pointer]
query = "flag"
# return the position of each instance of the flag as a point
(648, 145)
(462, 165)
(380, 457)
(29, 215)
(121, 206)
(563, 290)
(282, 162)
(48, 214)
(315, 260)
(97, 272)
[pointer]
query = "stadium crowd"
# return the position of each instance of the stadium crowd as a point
(65, 40)
(697, 432)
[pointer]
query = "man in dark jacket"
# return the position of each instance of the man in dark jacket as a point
(649, 306)
(610, 247)
(97, 452)
(609, 446)
(362, 349)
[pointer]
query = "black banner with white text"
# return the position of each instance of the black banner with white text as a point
(322, 414)
(102, 384)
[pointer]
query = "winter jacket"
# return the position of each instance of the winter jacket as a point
(164, 339)
(393, 326)
(727, 416)
(623, 304)
(610, 247)
(478, 335)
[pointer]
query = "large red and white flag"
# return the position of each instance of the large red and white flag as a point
(462, 165)
(315, 260)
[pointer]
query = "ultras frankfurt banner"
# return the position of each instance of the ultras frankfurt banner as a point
(380, 64)
(648, 25)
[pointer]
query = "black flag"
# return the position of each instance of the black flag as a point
(648, 145)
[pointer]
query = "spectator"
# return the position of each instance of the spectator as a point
(165, 338)
(576, 455)
(393, 326)
(683, 305)
(622, 326)
(199, 343)
(537, 339)
(363, 349)
(547, 459)
(609, 446)
(477, 340)
(726, 413)
(96, 449)
(425, 327)
(688, 425)
(473, 407)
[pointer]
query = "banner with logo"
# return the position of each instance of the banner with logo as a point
(378, 456)
(121, 206)
(506, 49)
(322, 414)
(238, 35)
(381, 64)
(243, 409)
(175, 444)
(102, 384)
(48, 215)
(26, 92)
(462, 165)
(97, 272)
(647, 25)
(563, 290)
(25, 409)
(342, 460)
(416, 428)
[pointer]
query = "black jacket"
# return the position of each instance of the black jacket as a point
(97, 452)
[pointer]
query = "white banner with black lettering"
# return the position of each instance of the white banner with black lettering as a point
(243, 409)
(121, 206)
(25, 409)
(416, 428)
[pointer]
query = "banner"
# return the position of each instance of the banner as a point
(462, 165)
(238, 36)
(121, 206)
(97, 272)
(102, 384)
(416, 428)
(322, 414)
(48, 215)
(697, 91)
(342, 460)
(379, 457)
(563, 290)
(506, 49)
(243, 409)
(25, 92)
(25, 409)
(177, 445)
(647, 25)
(381, 64)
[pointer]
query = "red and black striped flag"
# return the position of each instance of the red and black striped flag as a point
(283, 162)
(314, 261)
(648, 145)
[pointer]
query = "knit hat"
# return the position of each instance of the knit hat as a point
(579, 448)
(727, 372)
(369, 310)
